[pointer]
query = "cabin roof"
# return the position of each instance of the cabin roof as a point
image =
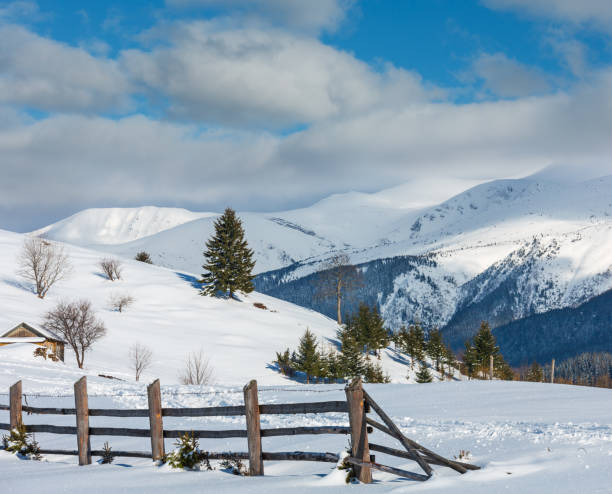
(43, 333)
(25, 339)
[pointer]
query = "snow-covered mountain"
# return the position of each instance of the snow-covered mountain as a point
(499, 251)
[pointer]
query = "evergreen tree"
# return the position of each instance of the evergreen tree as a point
(229, 261)
(435, 347)
(449, 360)
(374, 373)
(423, 375)
(484, 348)
(535, 373)
(415, 343)
(378, 335)
(308, 358)
(469, 359)
(351, 360)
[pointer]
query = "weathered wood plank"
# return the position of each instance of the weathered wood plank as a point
(82, 421)
(206, 434)
(359, 436)
(384, 468)
(297, 408)
(98, 452)
(251, 405)
(400, 437)
(156, 425)
(5, 427)
(432, 461)
(298, 431)
(16, 419)
(457, 466)
(52, 429)
(204, 412)
(5, 407)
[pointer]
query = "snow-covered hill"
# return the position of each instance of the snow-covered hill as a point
(168, 315)
(498, 251)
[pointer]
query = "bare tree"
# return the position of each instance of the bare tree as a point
(76, 323)
(337, 278)
(120, 301)
(112, 268)
(43, 263)
(197, 369)
(140, 358)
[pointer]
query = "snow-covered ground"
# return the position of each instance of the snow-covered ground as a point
(527, 437)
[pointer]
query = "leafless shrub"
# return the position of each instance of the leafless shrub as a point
(43, 263)
(120, 301)
(140, 358)
(77, 324)
(41, 351)
(112, 268)
(143, 256)
(259, 305)
(197, 369)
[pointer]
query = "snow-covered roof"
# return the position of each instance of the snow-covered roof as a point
(22, 340)
(44, 333)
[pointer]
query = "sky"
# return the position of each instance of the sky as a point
(267, 105)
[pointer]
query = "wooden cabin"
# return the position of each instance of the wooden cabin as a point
(25, 333)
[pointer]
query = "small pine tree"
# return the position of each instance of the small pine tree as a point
(535, 373)
(374, 373)
(188, 455)
(423, 375)
(19, 442)
(308, 358)
(284, 362)
(229, 261)
(415, 344)
(107, 454)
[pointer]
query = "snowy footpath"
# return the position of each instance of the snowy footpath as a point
(527, 437)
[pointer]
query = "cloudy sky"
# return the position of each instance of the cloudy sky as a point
(273, 104)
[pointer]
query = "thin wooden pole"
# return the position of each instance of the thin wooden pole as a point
(552, 372)
(155, 420)
(251, 405)
(15, 404)
(359, 434)
(490, 367)
(82, 421)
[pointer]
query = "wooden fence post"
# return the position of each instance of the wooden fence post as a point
(15, 404)
(359, 434)
(552, 372)
(155, 420)
(251, 405)
(82, 421)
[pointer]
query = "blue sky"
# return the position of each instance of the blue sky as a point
(273, 104)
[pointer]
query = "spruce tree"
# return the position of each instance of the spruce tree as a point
(423, 375)
(229, 261)
(535, 373)
(485, 347)
(435, 347)
(308, 357)
(351, 360)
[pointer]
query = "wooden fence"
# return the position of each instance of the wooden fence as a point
(358, 403)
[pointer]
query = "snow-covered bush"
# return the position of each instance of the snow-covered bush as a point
(19, 442)
(188, 454)
(234, 466)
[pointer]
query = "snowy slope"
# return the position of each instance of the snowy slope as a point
(168, 315)
(529, 438)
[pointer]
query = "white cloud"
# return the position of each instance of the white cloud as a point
(136, 160)
(508, 78)
(251, 76)
(309, 15)
(595, 12)
(19, 9)
(52, 76)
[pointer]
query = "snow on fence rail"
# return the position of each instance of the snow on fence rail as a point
(357, 405)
